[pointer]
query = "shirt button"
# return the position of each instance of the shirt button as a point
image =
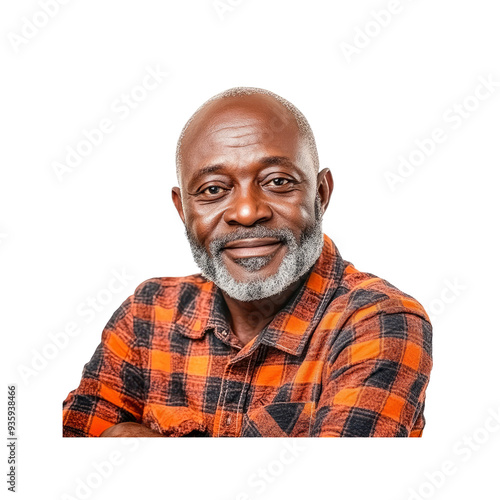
(224, 333)
(228, 420)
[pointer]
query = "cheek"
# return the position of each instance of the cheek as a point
(202, 221)
(297, 216)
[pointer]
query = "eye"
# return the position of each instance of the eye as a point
(279, 181)
(212, 190)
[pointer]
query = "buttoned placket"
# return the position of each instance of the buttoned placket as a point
(234, 388)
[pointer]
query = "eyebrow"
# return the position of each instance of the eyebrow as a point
(277, 160)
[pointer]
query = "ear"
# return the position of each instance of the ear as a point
(176, 198)
(325, 187)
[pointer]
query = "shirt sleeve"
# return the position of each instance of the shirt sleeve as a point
(112, 385)
(376, 376)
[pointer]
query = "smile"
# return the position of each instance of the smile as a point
(252, 247)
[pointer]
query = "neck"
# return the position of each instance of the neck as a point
(248, 319)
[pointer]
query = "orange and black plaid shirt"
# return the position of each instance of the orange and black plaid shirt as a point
(348, 355)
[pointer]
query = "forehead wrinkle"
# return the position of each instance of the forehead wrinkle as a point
(200, 133)
(229, 139)
(228, 127)
(242, 135)
(220, 117)
(242, 145)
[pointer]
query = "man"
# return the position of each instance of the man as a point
(278, 336)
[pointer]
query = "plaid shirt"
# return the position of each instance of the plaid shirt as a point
(348, 355)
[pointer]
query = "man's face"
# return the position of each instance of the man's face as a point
(249, 199)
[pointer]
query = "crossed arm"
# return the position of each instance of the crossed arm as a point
(130, 429)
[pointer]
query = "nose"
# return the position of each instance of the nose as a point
(247, 208)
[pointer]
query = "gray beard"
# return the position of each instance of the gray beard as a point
(299, 258)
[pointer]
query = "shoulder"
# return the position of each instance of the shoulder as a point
(373, 315)
(367, 293)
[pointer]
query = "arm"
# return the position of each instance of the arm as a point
(376, 376)
(130, 429)
(112, 385)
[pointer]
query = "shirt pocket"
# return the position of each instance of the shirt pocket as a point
(279, 420)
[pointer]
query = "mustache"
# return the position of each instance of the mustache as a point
(283, 235)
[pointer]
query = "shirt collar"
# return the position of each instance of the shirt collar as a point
(293, 324)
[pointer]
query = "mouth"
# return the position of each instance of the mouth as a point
(252, 247)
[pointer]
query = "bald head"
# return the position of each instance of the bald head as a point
(242, 106)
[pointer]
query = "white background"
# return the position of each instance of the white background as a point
(435, 235)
